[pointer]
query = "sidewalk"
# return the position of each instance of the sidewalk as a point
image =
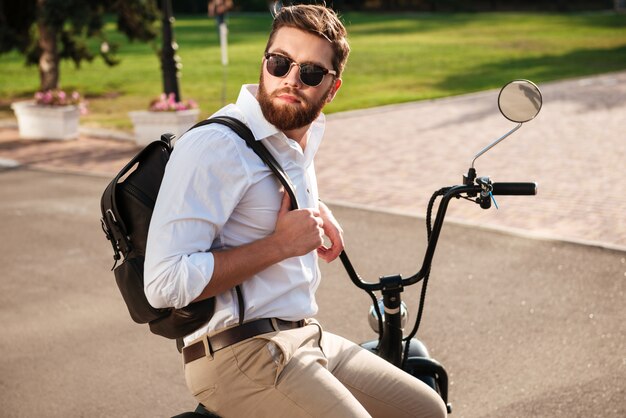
(392, 158)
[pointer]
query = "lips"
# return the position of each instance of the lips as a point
(288, 96)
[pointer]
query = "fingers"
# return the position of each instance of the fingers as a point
(285, 204)
(300, 231)
(324, 253)
(333, 231)
(329, 254)
(319, 220)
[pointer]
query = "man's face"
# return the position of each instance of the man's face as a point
(287, 102)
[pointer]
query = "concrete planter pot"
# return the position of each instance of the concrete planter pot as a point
(149, 126)
(46, 122)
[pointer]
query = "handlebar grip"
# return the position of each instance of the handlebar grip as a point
(515, 189)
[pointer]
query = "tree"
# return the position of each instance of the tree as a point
(46, 31)
(170, 62)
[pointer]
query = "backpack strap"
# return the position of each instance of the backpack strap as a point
(257, 146)
(242, 130)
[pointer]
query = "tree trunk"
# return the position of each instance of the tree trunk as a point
(168, 61)
(49, 58)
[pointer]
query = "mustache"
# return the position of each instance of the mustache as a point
(288, 90)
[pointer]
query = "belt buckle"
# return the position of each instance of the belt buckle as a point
(275, 324)
(281, 324)
(197, 350)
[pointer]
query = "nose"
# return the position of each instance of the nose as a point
(293, 78)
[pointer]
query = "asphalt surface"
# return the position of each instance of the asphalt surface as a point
(526, 327)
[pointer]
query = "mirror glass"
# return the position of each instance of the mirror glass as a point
(520, 101)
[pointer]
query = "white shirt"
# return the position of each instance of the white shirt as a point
(217, 193)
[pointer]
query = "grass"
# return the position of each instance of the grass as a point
(395, 58)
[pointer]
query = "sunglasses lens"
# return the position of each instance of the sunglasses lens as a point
(311, 75)
(278, 66)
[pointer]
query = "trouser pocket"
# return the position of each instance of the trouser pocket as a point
(246, 368)
(202, 375)
(260, 360)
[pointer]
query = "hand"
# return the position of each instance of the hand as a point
(333, 231)
(298, 231)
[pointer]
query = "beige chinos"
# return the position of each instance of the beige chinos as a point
(306, 372)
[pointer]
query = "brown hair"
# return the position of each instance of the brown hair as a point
(319, 20)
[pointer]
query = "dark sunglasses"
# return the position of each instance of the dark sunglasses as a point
(310, 74)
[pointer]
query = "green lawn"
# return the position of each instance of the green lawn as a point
(395, 58)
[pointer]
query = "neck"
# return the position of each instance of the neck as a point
(299, 135)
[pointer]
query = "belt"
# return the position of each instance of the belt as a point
(236, 334)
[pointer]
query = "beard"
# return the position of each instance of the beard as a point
(284, 116)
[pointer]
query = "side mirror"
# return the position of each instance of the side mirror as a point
(520, 101)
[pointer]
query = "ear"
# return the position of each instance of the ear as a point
(333, 90)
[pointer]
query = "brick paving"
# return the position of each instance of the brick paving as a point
(392, 158)
(395, 157)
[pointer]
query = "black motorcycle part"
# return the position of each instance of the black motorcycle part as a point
(515, 189)
(200, 412)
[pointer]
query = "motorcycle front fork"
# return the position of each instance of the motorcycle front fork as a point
(391, 346)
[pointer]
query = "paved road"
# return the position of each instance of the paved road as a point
(525, 327)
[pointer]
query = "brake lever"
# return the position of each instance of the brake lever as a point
(486, 195)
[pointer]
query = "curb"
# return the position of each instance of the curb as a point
(7, 163)
(83, 130)
(521, 233)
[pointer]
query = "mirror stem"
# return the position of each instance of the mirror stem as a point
(496, 142)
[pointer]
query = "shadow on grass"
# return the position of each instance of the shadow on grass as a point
(581, 62)
(607, 19)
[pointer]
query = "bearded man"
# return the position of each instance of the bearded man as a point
(222, 220)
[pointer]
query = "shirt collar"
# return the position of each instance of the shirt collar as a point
(251, 109)
(261, 128)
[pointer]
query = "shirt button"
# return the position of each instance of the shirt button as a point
(308, 191)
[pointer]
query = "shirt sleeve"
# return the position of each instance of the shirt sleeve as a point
(204, 180)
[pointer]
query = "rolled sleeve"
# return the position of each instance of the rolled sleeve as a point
(203, 182)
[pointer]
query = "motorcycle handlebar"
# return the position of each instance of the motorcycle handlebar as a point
(515, 189)
(518, 189)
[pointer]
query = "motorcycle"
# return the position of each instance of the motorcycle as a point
(519, 101)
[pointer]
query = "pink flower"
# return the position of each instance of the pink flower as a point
(48, 97)
(59, 98)
(171, 99)
(167, 102)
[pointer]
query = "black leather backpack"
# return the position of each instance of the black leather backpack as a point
(127, 204)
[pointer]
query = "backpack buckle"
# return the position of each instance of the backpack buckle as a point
(110, 235)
